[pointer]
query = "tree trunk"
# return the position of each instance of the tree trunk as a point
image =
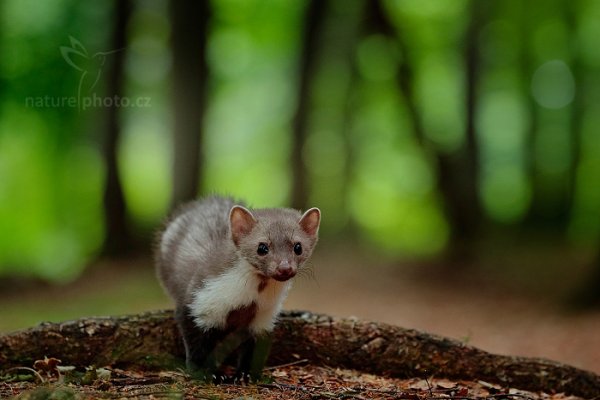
(189, 27)
(315, 14)
(572, 10)
(588, 295)
(349, 108)
(151, 341)
(117, 239)
(470, 194)
(553, 197)
(458, 172)
(537, 213)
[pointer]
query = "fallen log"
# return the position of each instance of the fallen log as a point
(151, 341)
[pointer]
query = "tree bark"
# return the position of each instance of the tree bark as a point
(151, 341)
(189, 26)
(117, 239)
(307, 64)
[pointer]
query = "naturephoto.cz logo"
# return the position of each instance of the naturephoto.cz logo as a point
(90, 68)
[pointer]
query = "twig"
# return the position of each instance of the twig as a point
(351, 394)
(152, 393)
(281, 386)
(429, 387)
(491, 396)
(302, 361)
(453, 398)
(524, 396)
(37, 374)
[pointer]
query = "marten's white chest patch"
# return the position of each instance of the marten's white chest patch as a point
(236, 289)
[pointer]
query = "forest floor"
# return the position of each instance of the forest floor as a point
(284, 382)
(479, 309)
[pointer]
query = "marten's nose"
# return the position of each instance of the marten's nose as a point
(284, 271)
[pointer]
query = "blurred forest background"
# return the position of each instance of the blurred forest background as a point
(459, 136)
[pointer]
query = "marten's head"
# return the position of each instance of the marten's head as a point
(277, 242)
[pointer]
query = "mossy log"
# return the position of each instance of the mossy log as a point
(151, 340)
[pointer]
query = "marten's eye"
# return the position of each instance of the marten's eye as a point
(263, 249)
(298, 249)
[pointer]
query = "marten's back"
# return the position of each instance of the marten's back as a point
(194, 245)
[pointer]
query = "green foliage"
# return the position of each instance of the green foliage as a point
(50, 174)
(535, 101)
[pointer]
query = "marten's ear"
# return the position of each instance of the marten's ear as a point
(310, 221)
(241, 222)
